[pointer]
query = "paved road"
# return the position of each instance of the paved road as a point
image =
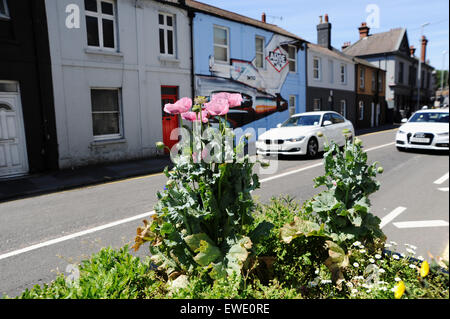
(41, 236)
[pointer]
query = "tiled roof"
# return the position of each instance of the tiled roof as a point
(239, 18)
(377, 43)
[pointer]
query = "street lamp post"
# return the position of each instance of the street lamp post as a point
(420, 63)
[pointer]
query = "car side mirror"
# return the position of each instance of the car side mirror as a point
(279, 125)
(326, 123)
(404, 120)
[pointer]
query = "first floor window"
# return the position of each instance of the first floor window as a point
(259, 52)
(292, 104)
(374, 81)
(100, 23)
(361, 110)
(331, 70)
(317, 105)
(362, 76)
(380, 82)
(166, 34)
(292, 58)
(343, 73)
(221, 44)
(316, 69)
(343, 108)
(106, 113)
(4, 12)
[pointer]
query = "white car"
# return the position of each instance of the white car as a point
(425, 129)
(298, 135)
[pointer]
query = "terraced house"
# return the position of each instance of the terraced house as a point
(28, 141)
(113, 72)
(391, 52)
(263, 62)
(330, 76)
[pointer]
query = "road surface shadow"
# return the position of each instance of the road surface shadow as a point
(426, 152)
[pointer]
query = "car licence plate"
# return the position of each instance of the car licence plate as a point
(420, 139)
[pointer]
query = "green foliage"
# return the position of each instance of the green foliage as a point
(343, 209)
(109, 274)
(203, 216)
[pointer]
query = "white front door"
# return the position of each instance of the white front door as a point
(13, 155)
(377, 120)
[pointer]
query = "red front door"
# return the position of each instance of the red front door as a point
(169, 94)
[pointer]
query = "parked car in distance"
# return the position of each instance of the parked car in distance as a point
(299, 134)
(425, 129)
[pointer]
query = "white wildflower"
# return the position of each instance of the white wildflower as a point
(397, 279)
(378, 256)
(362, 251)
(354, 291)
(420, 258)
(372, 260)
(381, 270)
(396, 257)
(349, 285)
(412, 266)
(356, 243)
(356, 265)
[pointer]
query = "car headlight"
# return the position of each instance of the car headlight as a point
(443, 134)
(296, 139)
(401, 132)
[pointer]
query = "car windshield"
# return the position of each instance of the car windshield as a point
(430, 117)
(302, 120)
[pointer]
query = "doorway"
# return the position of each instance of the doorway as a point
(169, 94)
(13, 151)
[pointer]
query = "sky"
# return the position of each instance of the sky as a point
(301, 17)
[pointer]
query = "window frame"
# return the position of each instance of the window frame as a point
(5, 15)
(115, 136)
(362, 78)
(318, 69)
(258, 37)
(345, 107)
(361, 110)
(331, 67)
(343, 72)
(166, 28)
(320, 104)
(99, 15)
(227, 46)
(292, 59)
(292, 106)
(401, 71)
(374, 81)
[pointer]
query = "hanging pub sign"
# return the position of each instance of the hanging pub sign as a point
(277, 59)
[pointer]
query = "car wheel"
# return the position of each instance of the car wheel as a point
(312, 148)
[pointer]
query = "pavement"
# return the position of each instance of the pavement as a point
(44, 183)
(32, 185)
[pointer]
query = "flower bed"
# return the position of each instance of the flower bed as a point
(209, 239)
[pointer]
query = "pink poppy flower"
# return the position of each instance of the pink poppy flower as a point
(181, 106)
(218, 106)
(193, 117)
(234, 99)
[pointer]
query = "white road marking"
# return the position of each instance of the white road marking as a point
(421, 223)
(75, 235)
(442, 179)
(315, 165)
(443, 189)
(126, 220)
(389, 217)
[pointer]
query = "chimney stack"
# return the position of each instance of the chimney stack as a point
(263, 17)
(412, 50)
(345, 45)
(424, 49)
(324, 32)
(363, 30)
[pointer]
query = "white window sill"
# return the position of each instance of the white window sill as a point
(103, 142)
(172, 59)
(102, 52)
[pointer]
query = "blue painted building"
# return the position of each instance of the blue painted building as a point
(263, 62)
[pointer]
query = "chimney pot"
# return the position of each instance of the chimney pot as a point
(263, 17)
(363, 30)
(345, 45)
(326, 17)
